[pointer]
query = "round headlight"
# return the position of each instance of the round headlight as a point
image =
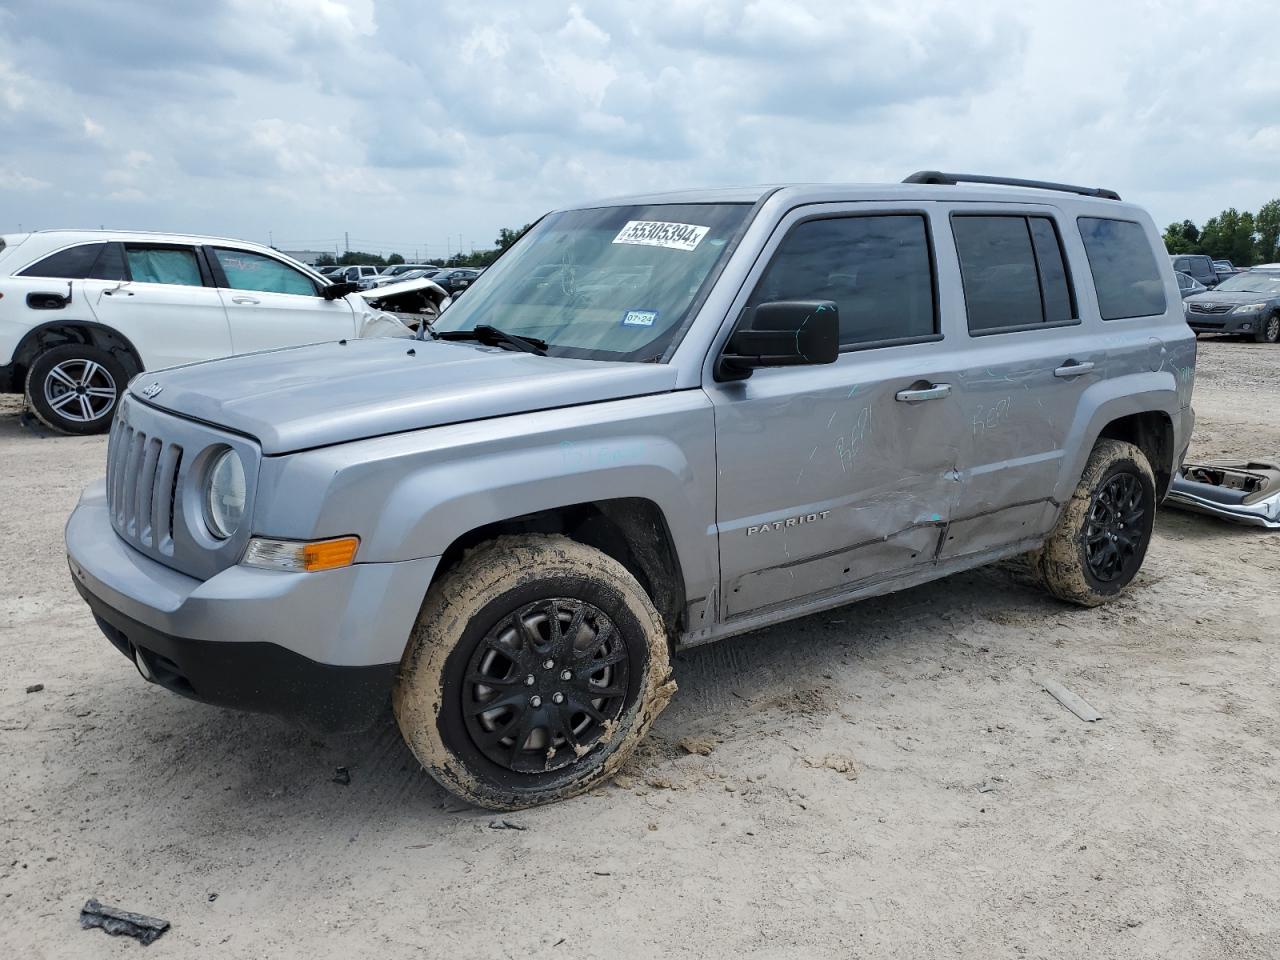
(225, 495)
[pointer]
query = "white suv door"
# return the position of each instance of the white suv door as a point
(273, 304)
(168, 308)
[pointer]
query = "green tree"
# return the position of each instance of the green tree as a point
(507, 236)
(353, 257)
(1230, 236)
(1267, 223)
(1182, 237)
(325, 260)
(394, 259)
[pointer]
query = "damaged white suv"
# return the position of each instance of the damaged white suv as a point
(81, 312)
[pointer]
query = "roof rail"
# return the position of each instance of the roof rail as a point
(951, 179)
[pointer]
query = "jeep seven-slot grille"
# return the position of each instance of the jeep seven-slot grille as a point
(1210, 307)
(142, 486)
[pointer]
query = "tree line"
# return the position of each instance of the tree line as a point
(476, 258)
(1243, 238)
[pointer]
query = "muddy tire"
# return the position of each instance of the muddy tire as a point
(75, 388)
(1101, 537)
(536, 666)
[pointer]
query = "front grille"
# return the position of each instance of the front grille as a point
(1210, 307)
(142, 486)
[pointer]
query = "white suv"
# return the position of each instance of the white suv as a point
(81, 312)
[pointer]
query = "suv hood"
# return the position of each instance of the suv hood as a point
(330, 393)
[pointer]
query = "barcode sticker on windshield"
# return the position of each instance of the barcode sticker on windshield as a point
(655, 233)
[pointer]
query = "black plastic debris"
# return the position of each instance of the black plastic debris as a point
(342, 775)
(505, 825)
(35, 688)
(121, 923)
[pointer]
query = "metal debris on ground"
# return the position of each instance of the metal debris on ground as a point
(1242, 491)
(121, 923)
(505, 825)
(1069, 700)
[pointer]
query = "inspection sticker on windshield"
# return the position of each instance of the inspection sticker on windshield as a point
(655, 233)
(639, 318)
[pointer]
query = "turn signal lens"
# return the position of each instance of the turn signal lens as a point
(301, 556)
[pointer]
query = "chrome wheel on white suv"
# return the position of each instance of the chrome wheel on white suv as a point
(74, 388)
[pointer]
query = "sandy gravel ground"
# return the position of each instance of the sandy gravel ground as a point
(886, 780)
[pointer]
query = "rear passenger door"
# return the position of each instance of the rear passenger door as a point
(161, 296)
(836, 476)
(272, 304)
(1025, 364)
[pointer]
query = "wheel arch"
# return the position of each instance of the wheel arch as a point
(631, 530)
(57, 333)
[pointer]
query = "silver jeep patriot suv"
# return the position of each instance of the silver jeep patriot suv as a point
(653, 423)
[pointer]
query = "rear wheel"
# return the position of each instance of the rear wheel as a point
(536, 666)
(74, 388)
(1269, 331)
(1101, 538)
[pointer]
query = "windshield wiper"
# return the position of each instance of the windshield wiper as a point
(493, 337)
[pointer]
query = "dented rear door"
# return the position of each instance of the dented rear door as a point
(831, 477)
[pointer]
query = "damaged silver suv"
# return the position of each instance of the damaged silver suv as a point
(655, 422)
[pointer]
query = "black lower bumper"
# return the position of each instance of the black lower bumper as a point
(9, 379)
(261, 677)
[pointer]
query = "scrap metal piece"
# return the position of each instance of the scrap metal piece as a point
(1243, 491)
(1069, 700)
(121, 923)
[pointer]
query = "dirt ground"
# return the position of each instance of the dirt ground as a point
(884, 780)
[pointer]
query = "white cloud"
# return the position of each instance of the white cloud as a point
(404, 123)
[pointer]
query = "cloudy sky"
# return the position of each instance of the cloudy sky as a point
(416, 125)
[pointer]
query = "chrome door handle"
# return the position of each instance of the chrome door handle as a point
(245, 300)
(1073, 369)
(935, 391)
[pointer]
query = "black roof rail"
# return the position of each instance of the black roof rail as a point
(951, 179)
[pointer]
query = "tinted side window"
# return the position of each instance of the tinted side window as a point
(1124, 269)
(998, 270)
(877, 269)
(74, 263)
(175, 265)
(252, 271)
(1055, 284)
(110, 265)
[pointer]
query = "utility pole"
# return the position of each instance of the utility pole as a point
(270, 242)
(346, 241)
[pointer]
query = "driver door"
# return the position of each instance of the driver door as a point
(832, 477)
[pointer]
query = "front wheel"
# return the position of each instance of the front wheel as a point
(536, 666)
(1269, 332)
(1101, 538)
(74, 388)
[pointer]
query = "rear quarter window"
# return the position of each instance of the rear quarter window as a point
(1125, 275)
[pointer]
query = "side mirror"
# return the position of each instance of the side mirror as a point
(336, 291)
(786, 333)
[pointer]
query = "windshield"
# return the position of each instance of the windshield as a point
(612, 283)
(1253, 281)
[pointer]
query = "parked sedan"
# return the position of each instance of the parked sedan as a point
(81, 312)
(456, 279)
(1187, 284)
(1247, 303)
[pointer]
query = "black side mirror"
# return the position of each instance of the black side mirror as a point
(786, 333)
(336, 291)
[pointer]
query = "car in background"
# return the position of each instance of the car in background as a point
(456, 279)
(1224, 269)
(82, 312)
(355, 273)
(1247, 304)
(398, 268)
(1187, 284)
(1198, 266)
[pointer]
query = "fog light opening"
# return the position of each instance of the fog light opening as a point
(144, 668)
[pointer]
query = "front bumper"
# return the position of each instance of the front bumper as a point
(1224, 322)
(322, 648)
